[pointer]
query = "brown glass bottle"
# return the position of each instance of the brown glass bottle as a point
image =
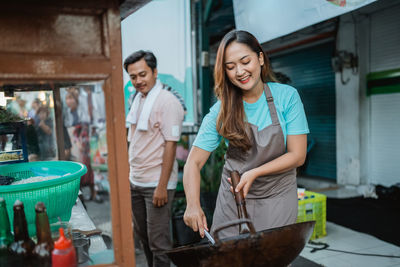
(22, 246)
(6, 237)
(241, 205)
(45, 245)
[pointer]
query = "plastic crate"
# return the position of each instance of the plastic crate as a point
(313, 208)
(58, 194)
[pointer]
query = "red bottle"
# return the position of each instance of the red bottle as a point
(64, 254)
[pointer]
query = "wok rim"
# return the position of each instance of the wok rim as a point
(237, 238)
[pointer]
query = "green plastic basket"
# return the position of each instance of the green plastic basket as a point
(313, 208)
(58, 194)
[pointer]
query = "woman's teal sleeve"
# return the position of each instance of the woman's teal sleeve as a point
(208, 138)
(295, 116)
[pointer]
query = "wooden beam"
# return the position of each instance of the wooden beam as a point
(124, 251)
(46, 67)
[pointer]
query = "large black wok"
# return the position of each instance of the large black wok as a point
(273, 247)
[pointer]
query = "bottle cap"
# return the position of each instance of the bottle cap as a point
(62, 242)
(40, 207)
(18, 205)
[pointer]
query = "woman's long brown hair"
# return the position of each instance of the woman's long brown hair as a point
(231, 120)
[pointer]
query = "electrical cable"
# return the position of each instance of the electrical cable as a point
(325, 247)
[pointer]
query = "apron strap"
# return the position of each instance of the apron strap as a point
(271, 106)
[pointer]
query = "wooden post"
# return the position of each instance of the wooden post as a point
(59, 122)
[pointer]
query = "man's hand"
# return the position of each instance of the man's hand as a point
(160, 196)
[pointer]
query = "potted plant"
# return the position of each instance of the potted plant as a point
(182, 234)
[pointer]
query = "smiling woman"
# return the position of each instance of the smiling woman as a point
(265, 127)
(241, 69)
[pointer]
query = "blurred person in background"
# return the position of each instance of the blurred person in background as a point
(67, 144)
(18, 106)
(32, 141)
(77, 121)
(44, 130)
(33, 112)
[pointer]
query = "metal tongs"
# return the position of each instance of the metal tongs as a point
(209, 237)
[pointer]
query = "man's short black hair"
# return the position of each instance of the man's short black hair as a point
(148, 56)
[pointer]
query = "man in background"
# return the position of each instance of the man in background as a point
(155, 118)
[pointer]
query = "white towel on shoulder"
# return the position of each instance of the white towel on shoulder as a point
(142, 121)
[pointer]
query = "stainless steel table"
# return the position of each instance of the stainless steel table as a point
(80, 220)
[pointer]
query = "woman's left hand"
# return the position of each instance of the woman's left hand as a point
(246, 180)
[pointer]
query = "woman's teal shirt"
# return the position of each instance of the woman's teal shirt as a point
(288, 105)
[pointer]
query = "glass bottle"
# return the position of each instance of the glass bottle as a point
(45, 245)
(23, 245)
(6, 237)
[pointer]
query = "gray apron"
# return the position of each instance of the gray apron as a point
(272, 199)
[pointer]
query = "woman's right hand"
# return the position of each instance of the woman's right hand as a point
(194, 218)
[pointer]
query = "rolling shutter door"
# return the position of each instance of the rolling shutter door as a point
(385, 141)
(311, 74)
(385, 39)
(385, 108)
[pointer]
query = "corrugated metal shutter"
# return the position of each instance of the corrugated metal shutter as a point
(311, 73)
(385, 141)
(385, 39)
(385, 108)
